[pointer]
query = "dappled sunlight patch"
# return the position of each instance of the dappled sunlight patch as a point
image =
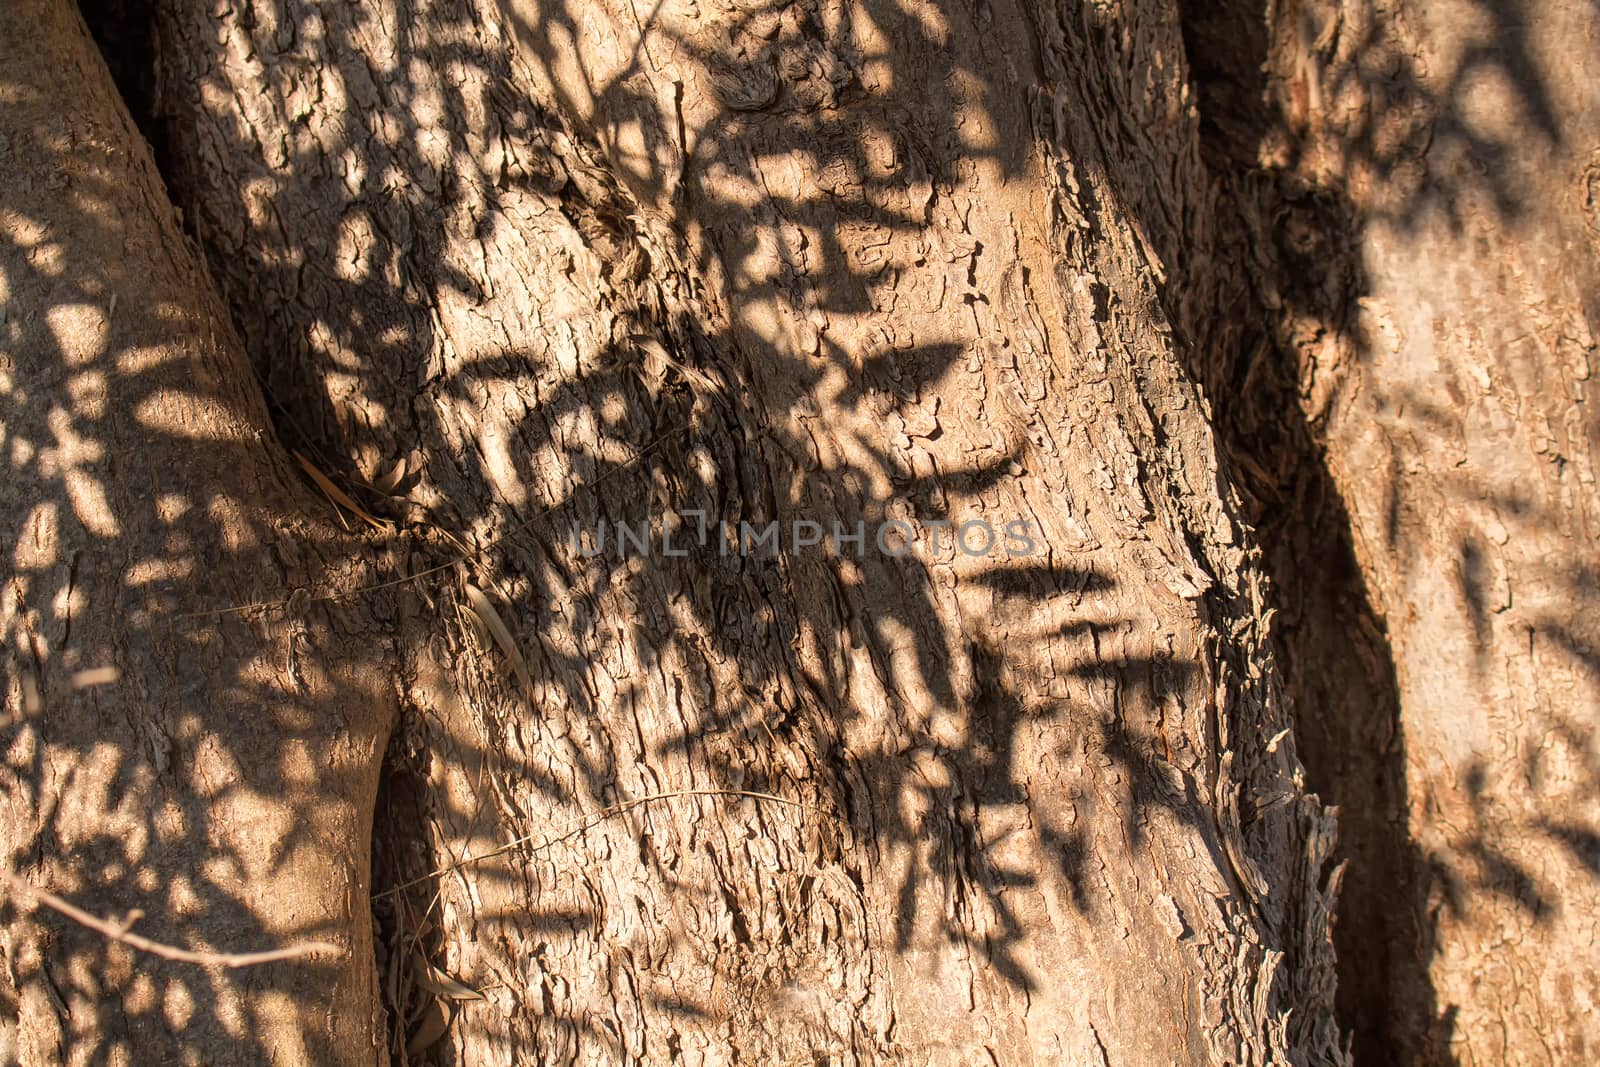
(276, 1013)
(298, 765)
(163, 573)
(89, 503)
(80, 331)
(25, 231)
(177, 1004)
(37, 546)
(183, 414)
(234, 523)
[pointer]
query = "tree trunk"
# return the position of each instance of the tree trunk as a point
(215, 772)
(1422, 185)
(1458, 406)
(507, 272)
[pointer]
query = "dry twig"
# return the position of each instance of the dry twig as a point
(119, 931)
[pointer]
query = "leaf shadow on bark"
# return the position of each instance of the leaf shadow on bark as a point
(204, 774)
(344, 265)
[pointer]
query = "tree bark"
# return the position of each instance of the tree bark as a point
(1458, 404)
(214, 772)
(1423, 180)
(834, 264)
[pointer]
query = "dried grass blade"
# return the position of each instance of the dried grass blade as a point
(501, 634)
(337, 495)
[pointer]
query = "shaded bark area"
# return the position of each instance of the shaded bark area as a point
(212, 769)
(507, 270)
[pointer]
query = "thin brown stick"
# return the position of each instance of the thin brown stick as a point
(120, 932)
(585, 826)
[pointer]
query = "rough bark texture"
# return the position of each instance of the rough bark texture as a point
(1271, 278)
(216, 773)
(822, 261)
(1458, 406)
(1423, 184)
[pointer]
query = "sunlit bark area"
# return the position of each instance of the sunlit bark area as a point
(833, 531)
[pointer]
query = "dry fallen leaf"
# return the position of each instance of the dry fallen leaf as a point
(442, 985)
(433, 1024)
(385, 483)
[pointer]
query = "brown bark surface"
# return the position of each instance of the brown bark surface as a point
(825, 262)
(215, 773)
(1422, 184)
(1458, 405)
(1165, 282)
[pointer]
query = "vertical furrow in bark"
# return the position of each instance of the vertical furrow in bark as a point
(1266, 266)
